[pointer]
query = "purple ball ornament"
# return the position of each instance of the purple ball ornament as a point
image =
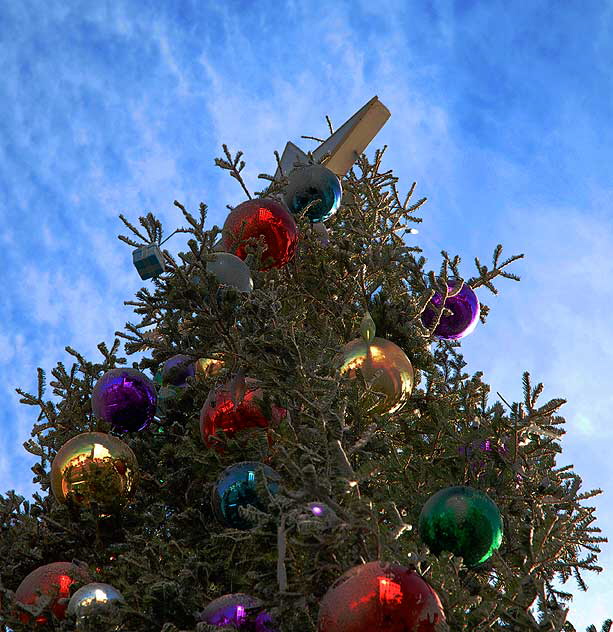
(479, 453)
(244, 612)
(125, 398)
(465, 313)
(177, 369)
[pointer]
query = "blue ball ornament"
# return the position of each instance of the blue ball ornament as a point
(313, 182)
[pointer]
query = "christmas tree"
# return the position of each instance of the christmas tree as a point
(302, 450)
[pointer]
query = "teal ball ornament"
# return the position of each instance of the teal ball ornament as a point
(464, 521)
(317, 184)
(237, 487)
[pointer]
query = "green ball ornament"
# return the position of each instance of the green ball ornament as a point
(464, 521)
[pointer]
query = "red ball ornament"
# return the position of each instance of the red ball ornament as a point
(234, 407)
(52, 580)
(380, 597)
(264, 217)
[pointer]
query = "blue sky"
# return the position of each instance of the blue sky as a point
(501, 112)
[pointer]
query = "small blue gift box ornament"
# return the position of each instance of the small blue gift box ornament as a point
(149, 261)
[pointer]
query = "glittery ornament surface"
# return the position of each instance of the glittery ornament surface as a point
(228, 412)
(236, 487)
(386, 366)
(230, 270)
(125, 398)
(93, 601)
(242, 611)
(379, 597)
(464, 521)
(52, 580)
(94, 466)
(264, 217)
(177, 369)
(465, 310)
(313, 182)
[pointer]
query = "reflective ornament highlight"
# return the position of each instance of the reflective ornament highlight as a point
(386, 367)
(242, 611)
(236, 487)
(230, 270)
(465, 313)
(96, 604)
(53, 581)
(269, 219)
(177, 369)
(94, 466)
(313, 182)
(125, 398)
(464, 521)
(380, 597)
(228, 411)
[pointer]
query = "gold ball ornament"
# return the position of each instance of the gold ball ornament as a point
(94, 466)
(208, 367)
(385, 367)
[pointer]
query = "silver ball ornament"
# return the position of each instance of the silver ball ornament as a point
(94, 604)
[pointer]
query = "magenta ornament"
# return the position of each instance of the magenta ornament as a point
(125, 398)
(462, 321)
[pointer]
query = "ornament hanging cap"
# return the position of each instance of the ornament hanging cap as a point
(367, 327)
